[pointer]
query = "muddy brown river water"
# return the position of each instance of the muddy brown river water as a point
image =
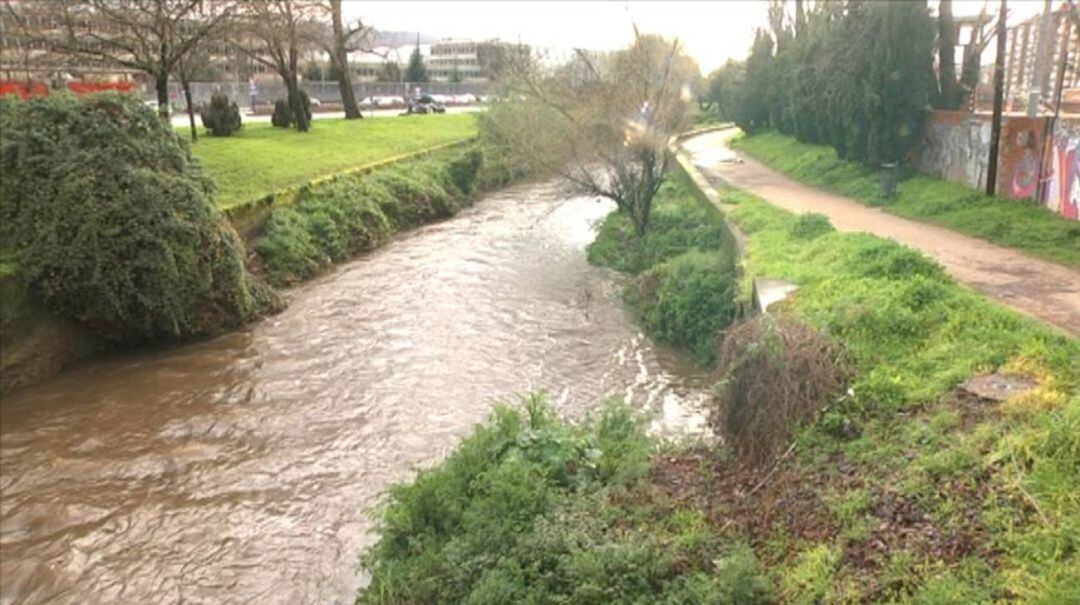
(242, 469)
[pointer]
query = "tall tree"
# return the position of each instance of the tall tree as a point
(150, 36)
(275, 33)
(346, 40)
(602, 123)
(416, 71)
(951, 94)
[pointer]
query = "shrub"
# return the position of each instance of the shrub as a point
(463, 170)
(524, 511)
(282, 116)
(221, 117)
(811, 225)
(678, 224)
(776, 374)
(686, 300)
(114, 222)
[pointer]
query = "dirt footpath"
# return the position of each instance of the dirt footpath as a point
(1037, 288)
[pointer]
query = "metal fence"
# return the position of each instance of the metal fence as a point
(327, 92)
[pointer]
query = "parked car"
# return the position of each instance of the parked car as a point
(426, 104)
(389, 101)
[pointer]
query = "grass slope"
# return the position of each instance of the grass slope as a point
(1021, 225)
(262, 159)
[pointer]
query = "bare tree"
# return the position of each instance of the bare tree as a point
(185, 70)
(150, 36)
(601, 122)
(345, 40)
(276, 33)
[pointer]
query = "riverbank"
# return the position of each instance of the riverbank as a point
(906, 487)
(291, 234)
(261, 159)
(268, 445)
(1017, 224)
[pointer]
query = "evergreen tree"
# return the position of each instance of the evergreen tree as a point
(416, 71)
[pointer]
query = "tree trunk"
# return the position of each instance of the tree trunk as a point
(161, 85)
(800, 19)
(295, 104)
(190, 110)
(999, 85)
(340, 58)
(951, 94)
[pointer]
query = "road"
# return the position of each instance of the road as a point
(181, 119)
(1037, 288)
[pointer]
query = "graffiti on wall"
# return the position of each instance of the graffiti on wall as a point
(956, 147)
(1018, 157)
(1062, 194)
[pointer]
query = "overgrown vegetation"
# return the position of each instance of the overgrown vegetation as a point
(685, 291)
(902, 490)
(777, 373)
(1022, 225)
(601, 121)
(333, 221)
(262, 159)
(530, 509)
(113, 221)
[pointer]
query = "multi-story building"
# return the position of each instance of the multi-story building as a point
(1022, 57)
(466, 60)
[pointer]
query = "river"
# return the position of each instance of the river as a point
(242, 469)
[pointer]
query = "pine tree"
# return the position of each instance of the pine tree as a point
(416, 71)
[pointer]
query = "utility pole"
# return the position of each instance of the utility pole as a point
(999, 93)
(1038, 77)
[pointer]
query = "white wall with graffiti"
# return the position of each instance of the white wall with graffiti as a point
(956, 147)
(1062, 189)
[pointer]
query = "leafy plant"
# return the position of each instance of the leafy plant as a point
(221, 117)
(114, 223)
(687, 300)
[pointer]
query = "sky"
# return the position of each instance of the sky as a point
(711, 32)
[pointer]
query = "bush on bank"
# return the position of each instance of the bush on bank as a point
(531, 509)
(113, 222)
(687, 300)
(686, 288)
(334, 221)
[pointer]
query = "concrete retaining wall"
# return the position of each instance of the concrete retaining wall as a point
(763, 291)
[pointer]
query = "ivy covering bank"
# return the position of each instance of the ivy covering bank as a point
(111, 221)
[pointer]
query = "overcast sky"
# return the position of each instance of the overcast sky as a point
(711, 32)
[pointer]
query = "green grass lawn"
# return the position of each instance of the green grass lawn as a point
(262, 159)
(1017, 224)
